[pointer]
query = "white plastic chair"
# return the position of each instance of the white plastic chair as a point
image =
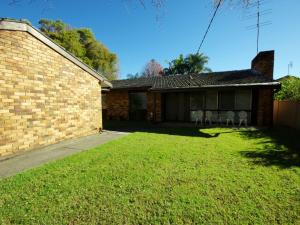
(243, 117)
(197, 116)
(230, 117)
(208, 117)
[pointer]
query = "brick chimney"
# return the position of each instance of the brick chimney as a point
(264, 63)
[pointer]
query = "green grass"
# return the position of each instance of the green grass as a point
(165, 176)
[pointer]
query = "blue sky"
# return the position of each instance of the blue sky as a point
(136, 36)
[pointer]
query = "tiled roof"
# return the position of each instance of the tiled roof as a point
(227, 78)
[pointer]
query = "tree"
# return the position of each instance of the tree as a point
(290, 89)
(152, 69)
(192, 63)
(133, 76)
(83, 44)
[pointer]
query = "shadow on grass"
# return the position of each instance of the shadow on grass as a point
(179, 129)
(276, 146)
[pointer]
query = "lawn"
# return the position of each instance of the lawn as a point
(165, 176)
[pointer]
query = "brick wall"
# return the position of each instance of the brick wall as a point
(154, 106)
(117, 105)
(264, 63)
(44, 97)
(265, 107)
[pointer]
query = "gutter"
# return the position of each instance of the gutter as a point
(274, 84)
(13, 25)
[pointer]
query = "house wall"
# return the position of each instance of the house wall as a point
(117, 105)
(264, 63)
(154, 106)
(265, 107)
(44, 97)
(117, 102)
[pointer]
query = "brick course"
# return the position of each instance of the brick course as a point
(117, 103)
(44, 97)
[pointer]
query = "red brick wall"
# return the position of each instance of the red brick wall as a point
(264, 63)
(265, 107)
(154, 106)
(117, 103)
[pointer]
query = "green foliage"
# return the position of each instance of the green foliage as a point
(290, 89)
(192, 63)
(163, 176)
(83, 44)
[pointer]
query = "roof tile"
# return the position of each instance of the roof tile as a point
(194, 80)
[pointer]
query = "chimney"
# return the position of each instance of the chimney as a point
(264, 63)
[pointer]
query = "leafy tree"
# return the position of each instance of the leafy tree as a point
(290, 89)
(133, 76)
(83, 44)
(152, 69)
(192, 63)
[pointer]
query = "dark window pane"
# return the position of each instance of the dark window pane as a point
(138, 101)
(226, 100)
(243, 100)
(212, 100)
(196, 101)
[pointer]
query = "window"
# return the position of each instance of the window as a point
(196, 101)
(138, 101)
(243, 100)
(226, 100)
(211, 100)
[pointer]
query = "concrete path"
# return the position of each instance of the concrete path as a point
(30, 159)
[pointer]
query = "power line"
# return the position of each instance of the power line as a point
(212, 19)
(258, 24)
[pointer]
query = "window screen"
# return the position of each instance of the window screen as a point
(243, 100)
(197, 101)
(226, 100)
(212, 100)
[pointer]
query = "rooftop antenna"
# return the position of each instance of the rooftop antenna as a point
(259, 23)
(290, 65)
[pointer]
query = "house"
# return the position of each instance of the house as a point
(176, 97)
(46, 94)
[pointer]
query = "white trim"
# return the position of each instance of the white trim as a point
(22, 26)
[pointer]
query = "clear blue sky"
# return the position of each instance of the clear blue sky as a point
(136, 36)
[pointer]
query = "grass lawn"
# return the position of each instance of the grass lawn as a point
(165, 176)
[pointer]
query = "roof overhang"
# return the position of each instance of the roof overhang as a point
(145, 88)
(14, 25)
(274, 85)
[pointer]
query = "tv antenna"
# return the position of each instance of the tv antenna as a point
(290, 65)
(259, 14)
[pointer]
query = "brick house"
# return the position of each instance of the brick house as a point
(46, 94)
(174, 98)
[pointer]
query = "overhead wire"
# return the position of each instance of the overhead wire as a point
(209, 25)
